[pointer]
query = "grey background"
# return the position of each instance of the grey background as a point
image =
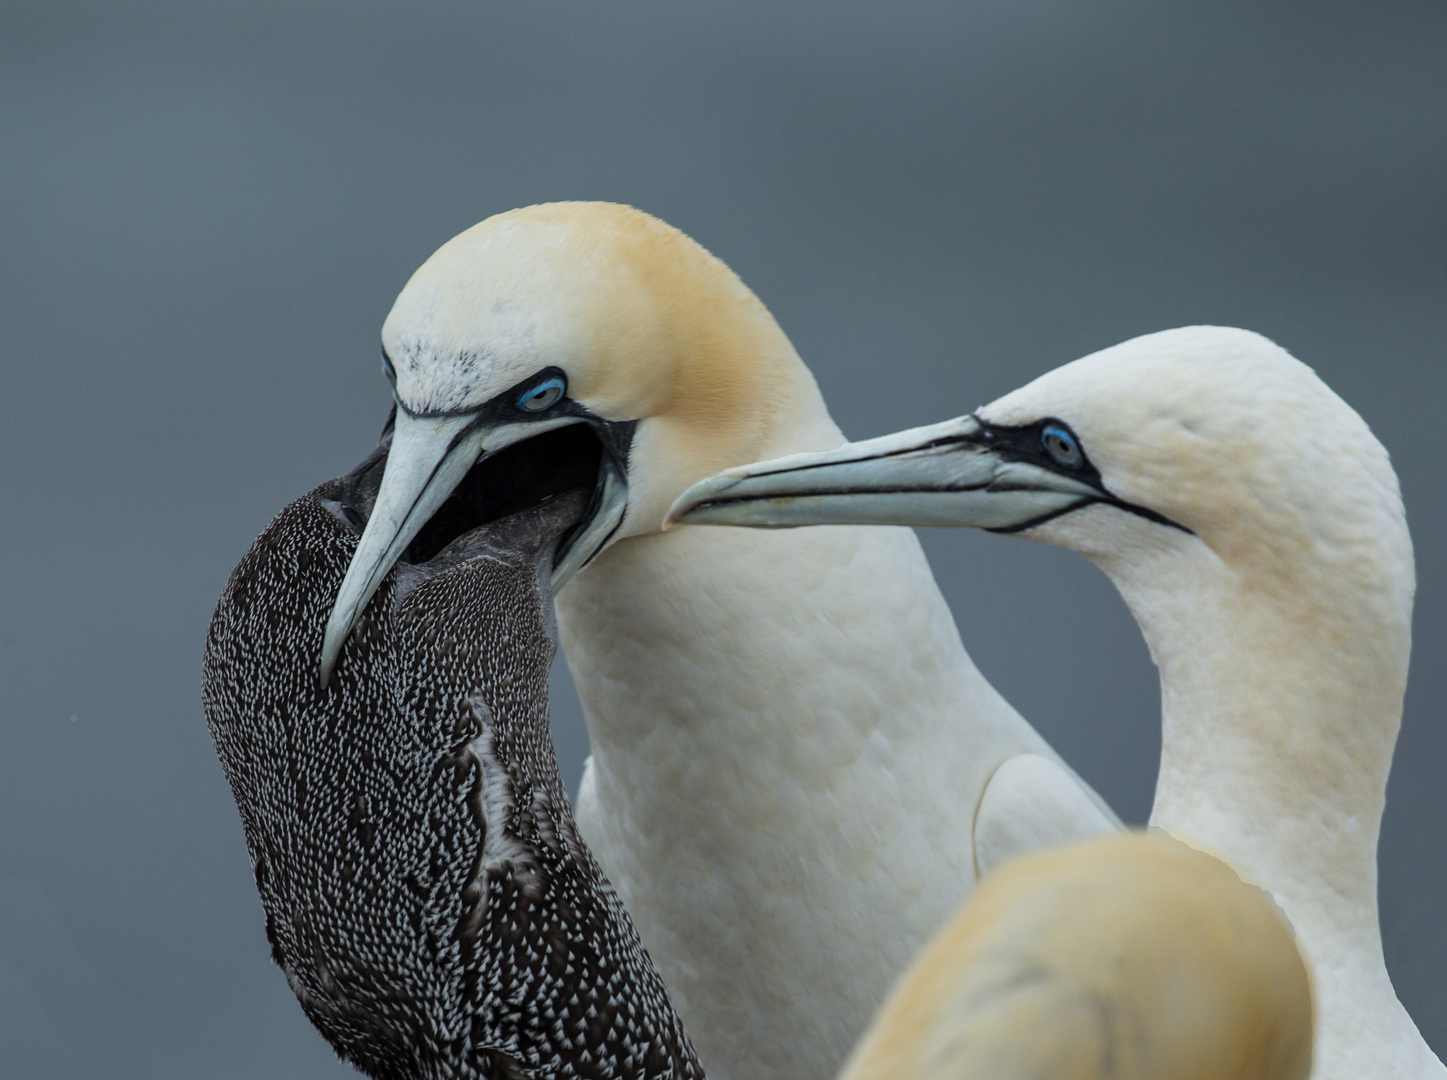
(206, 210)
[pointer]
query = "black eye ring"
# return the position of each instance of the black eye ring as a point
(543, 396)
(387, 368)
(1062, 447)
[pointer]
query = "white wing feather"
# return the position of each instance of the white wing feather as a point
(1033, 803)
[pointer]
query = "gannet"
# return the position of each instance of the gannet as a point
(1254, 526)
(795, 766)
(425, 890)
(1132, 957)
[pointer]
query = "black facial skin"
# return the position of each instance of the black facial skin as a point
(527, 472)
(503, 408)
(1026, 443)
(1023, 443)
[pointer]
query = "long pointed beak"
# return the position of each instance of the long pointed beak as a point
(937, 475)
(428, 459)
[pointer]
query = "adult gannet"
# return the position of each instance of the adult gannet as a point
(796, 768)
(425, 889)
(1254, 526)
(1131, 957)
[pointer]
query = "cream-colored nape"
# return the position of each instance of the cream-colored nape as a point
(1131, 957)
(1255, 528)
(791, 750)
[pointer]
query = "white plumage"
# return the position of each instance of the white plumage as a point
(1255, 528)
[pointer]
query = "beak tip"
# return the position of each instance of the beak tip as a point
(697, 498)
(333, 639)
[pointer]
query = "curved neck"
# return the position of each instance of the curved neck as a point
(1281, 695)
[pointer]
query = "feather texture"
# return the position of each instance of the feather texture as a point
(425, 889)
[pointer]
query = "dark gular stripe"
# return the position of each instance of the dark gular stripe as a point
(1026, 443)
(425, 889)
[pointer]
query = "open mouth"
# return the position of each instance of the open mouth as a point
(516, 478)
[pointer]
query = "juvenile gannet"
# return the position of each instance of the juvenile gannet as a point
(1129, 957)
(796, 767)
(425, 889)
(1254, 526)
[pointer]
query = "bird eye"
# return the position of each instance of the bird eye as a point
(543, 396)
(387, 368)
(1060, 444)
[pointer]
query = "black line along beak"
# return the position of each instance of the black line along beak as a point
(961, 473)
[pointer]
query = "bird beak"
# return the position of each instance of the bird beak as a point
(944, 474)
(428, 458)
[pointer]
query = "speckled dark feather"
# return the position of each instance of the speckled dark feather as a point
(425, 889)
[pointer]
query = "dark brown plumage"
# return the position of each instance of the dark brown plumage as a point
(425, 889)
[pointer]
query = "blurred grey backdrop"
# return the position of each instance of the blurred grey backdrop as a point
(207, 208)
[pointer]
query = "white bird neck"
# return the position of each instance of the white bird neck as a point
(789, 744)
(1281, 694)
(1281, 625)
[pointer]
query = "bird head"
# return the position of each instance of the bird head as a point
(568, 344)
(1204, 432)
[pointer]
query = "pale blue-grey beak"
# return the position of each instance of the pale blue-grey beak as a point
(428, 458)
(945, 474)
